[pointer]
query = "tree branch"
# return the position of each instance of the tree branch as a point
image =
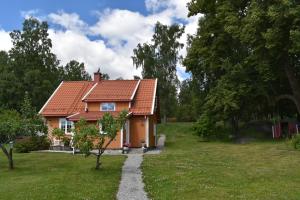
(4, 150)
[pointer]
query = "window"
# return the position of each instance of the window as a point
(108, 107)
(102, 129)
(65, 125)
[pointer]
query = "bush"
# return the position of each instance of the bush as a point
(32, 144)
(296, 141)
(205, 127)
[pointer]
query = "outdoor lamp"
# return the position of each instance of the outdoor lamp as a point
(11, 144)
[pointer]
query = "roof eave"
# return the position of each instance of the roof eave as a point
(154, 95)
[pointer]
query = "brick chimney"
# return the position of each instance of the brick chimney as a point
(97, 77)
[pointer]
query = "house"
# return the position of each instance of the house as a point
(73, 100)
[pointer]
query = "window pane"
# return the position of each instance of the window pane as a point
(69, 126)
(63, 124)
(107, 106)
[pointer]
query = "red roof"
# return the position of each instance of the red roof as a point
(91, 115)
(113, 90)
(143, 103)
(66, 99)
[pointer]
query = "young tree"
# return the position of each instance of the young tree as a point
(159, 60)
(88, 136)
(10, 128)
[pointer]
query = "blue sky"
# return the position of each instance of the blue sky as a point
(100, 33)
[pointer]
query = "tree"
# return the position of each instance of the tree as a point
(10, 128)
(159, 60)
(272, 31)
(105, 76)
(244, 52)
(75, 71)
(34, 66)
(135, 77)
(9, 83)
(32, 123)
(88, 136)
(189, 101)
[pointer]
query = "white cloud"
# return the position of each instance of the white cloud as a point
(29, 13)
(119, 33)
(69, 45)
(70, 21)
(5, 41)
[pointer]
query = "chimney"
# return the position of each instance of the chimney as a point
(97, 77)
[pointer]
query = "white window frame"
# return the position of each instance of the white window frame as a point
(100, 130)
(66, 125)
(108, 103)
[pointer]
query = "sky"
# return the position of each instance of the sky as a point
(100, 33)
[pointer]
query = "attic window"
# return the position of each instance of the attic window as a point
(108, 107)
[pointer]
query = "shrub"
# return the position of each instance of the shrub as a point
(296, 141)
(32, 144)
(205, 127)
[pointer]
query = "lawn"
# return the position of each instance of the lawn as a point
(191, 169)
(59, 176)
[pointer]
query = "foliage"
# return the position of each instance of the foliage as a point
(31, 66)
(75, 71)
(244, 52)
(205, 127)
(159, 60)
(34, 143)
(10, 125)
(58, 133)
(32, 123)
(190, 100)
(295, 141)
(13, 124)
(88, 136)
(32, 61)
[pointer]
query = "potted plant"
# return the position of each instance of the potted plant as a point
(144, 146)
(126, 147)
(143, 143)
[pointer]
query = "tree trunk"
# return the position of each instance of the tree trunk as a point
(295, 86)
(9, 156)
(165, 119)
(10, 159)
(235, 126)
(98, 160)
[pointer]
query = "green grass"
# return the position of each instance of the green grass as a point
(59, 176)
(191, 169)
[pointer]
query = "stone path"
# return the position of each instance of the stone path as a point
(132, 186)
